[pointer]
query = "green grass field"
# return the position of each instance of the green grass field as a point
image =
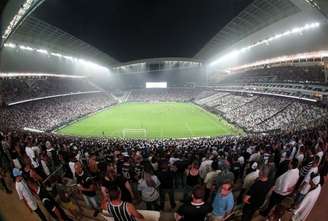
(152, 120)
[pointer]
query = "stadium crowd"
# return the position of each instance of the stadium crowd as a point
(280, 175)
(13, 90)
(264, 113)
(280, 74)
(48, 114)
(167, 94)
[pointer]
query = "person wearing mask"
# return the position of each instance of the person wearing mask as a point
(25, 194)
(197, 209)
(223, 202)
(121, 210)
(255, 196)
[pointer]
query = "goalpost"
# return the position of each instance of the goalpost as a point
(134, 133)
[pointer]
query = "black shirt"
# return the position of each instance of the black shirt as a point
(119, 181)
(166, 179)
(258, 192)
(85, 181)
(192, 212)
(47, 201)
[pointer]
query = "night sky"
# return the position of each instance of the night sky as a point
(136, 29)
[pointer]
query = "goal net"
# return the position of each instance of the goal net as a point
(134, 133)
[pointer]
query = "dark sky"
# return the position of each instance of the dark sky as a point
(136, 29)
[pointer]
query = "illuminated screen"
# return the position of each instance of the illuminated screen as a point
(156, 84)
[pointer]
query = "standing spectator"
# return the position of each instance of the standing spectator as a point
(210, 178)
(225, 174)
(112, 180)
(197, 209)
(122, 211)
(304, 208)
(148, 186)
(3, 181)
(49, 203)
(192, 174)
(305, 185)
(283, 187)
(255, 196)
(87, 187)
(25, 194)
(205, 167)
(166, 178)
(30, 152)
(223, 202)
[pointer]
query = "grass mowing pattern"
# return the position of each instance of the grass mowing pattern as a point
(161, 120)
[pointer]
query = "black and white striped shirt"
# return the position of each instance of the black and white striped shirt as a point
(120, 212)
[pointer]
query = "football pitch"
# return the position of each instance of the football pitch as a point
(151, 120)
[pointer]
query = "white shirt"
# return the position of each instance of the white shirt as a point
(250, 179)
(306, 187)
(286, 181)
(30, 153)
(241, 160)
(255, 157)
(210, 178)
(24, 193)
(304, 209)
(320, 155)
(300, 158)
(148, 193)
(204, 168)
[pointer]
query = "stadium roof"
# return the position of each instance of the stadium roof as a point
(257, 15)
(35, 32)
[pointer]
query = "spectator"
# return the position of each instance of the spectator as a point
(148, 186)
(122, 211)
(25, 194)
(87, 188)
(223, 202)
(283, 187)
(304, 208)
(197, 209)
(166, 179)
(255, 196)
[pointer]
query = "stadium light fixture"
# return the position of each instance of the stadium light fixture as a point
(10, 45)
(23, 47)
(42, 51)
(12, 74)
(86, 63)
(235, 53)
(56, 54)
(285, 58)
(17, 18)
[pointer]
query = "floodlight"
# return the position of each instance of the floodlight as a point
(42, 51)
(26, 48)
(10, 45)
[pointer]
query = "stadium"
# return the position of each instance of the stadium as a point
(164, 110)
